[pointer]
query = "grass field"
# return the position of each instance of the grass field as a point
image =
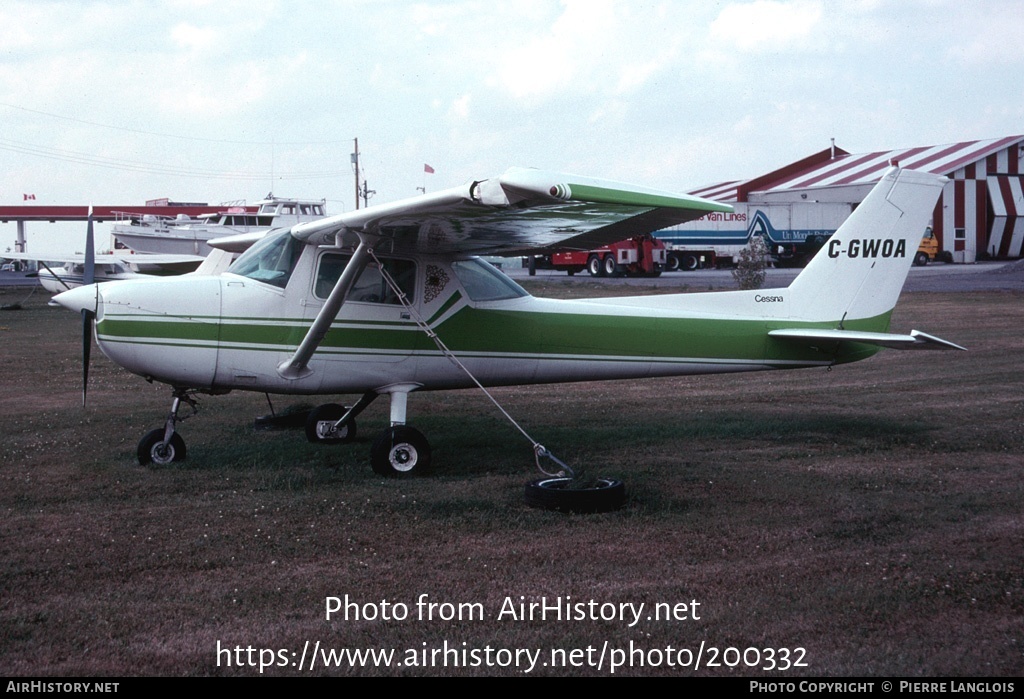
(870, 516)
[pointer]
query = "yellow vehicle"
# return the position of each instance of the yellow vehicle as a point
(928, 250)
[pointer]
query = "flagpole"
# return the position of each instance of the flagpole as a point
(427, 170)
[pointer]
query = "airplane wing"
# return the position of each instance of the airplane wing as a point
(522, 211)
(137, 259)
(159, 263)
(915, 340)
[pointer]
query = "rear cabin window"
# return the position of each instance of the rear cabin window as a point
(371, 286)
(483, 282)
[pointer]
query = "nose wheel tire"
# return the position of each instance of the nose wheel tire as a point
(152, 450)
(320, 425)
(400, 451)
(561, 494)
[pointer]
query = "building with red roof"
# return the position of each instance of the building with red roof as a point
(980, 214)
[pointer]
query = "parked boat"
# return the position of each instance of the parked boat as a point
(183, 235)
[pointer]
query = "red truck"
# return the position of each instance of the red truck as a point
(640, 256)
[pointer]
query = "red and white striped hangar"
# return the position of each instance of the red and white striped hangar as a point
(980, 214)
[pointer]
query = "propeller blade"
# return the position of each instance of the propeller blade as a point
(89, 275)
(87, 319)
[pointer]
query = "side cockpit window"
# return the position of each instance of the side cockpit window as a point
(271, 261)
(371, 287)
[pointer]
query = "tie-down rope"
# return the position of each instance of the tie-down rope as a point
(539, 450)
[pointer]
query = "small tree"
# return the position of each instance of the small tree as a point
(750, 269)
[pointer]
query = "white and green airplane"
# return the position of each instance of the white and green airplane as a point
(393, 299)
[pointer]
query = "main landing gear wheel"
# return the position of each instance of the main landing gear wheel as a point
(604, 495)
(400, 451)
(320, 425)
(152, 450)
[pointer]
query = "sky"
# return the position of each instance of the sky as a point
(213, 101)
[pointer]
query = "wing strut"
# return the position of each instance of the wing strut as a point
(297, 367)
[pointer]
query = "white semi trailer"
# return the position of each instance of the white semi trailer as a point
(792, 232)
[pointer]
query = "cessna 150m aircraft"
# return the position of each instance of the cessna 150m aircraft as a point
(392, 299)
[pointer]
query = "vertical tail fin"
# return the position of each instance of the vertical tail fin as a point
(861, 270)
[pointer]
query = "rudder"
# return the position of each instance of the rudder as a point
(860, 271)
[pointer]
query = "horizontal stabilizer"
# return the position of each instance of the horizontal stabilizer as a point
(915, 340)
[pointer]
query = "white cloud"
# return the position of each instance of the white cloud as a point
(635, 76)
(460, 107)
(632, 90)
(14, 33)
(558, 58)
(189, 36)
(766, 25)
(614, 111)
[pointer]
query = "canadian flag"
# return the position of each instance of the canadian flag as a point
(28, 197)
(427, 169)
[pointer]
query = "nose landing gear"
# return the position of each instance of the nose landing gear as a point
(164, 446)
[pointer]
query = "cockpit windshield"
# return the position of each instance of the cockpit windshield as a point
(271, 260)
(483, 282)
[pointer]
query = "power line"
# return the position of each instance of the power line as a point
(169, 135)
(153, 168)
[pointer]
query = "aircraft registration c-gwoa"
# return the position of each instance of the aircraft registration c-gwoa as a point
(379, 301)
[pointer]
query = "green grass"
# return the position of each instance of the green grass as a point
(870, 515)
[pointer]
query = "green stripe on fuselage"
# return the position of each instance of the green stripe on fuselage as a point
(519, 332)
(476, 330)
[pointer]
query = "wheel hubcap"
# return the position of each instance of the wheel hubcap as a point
(325, 430)
(162, 453)
(403, 457)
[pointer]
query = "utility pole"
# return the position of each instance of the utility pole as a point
(355, 162)
(361, 191)
(367, 193)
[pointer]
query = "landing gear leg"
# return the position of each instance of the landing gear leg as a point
(400, 450)
(334, 424)
(164, 446)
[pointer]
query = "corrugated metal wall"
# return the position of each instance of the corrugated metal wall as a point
(977, 214)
